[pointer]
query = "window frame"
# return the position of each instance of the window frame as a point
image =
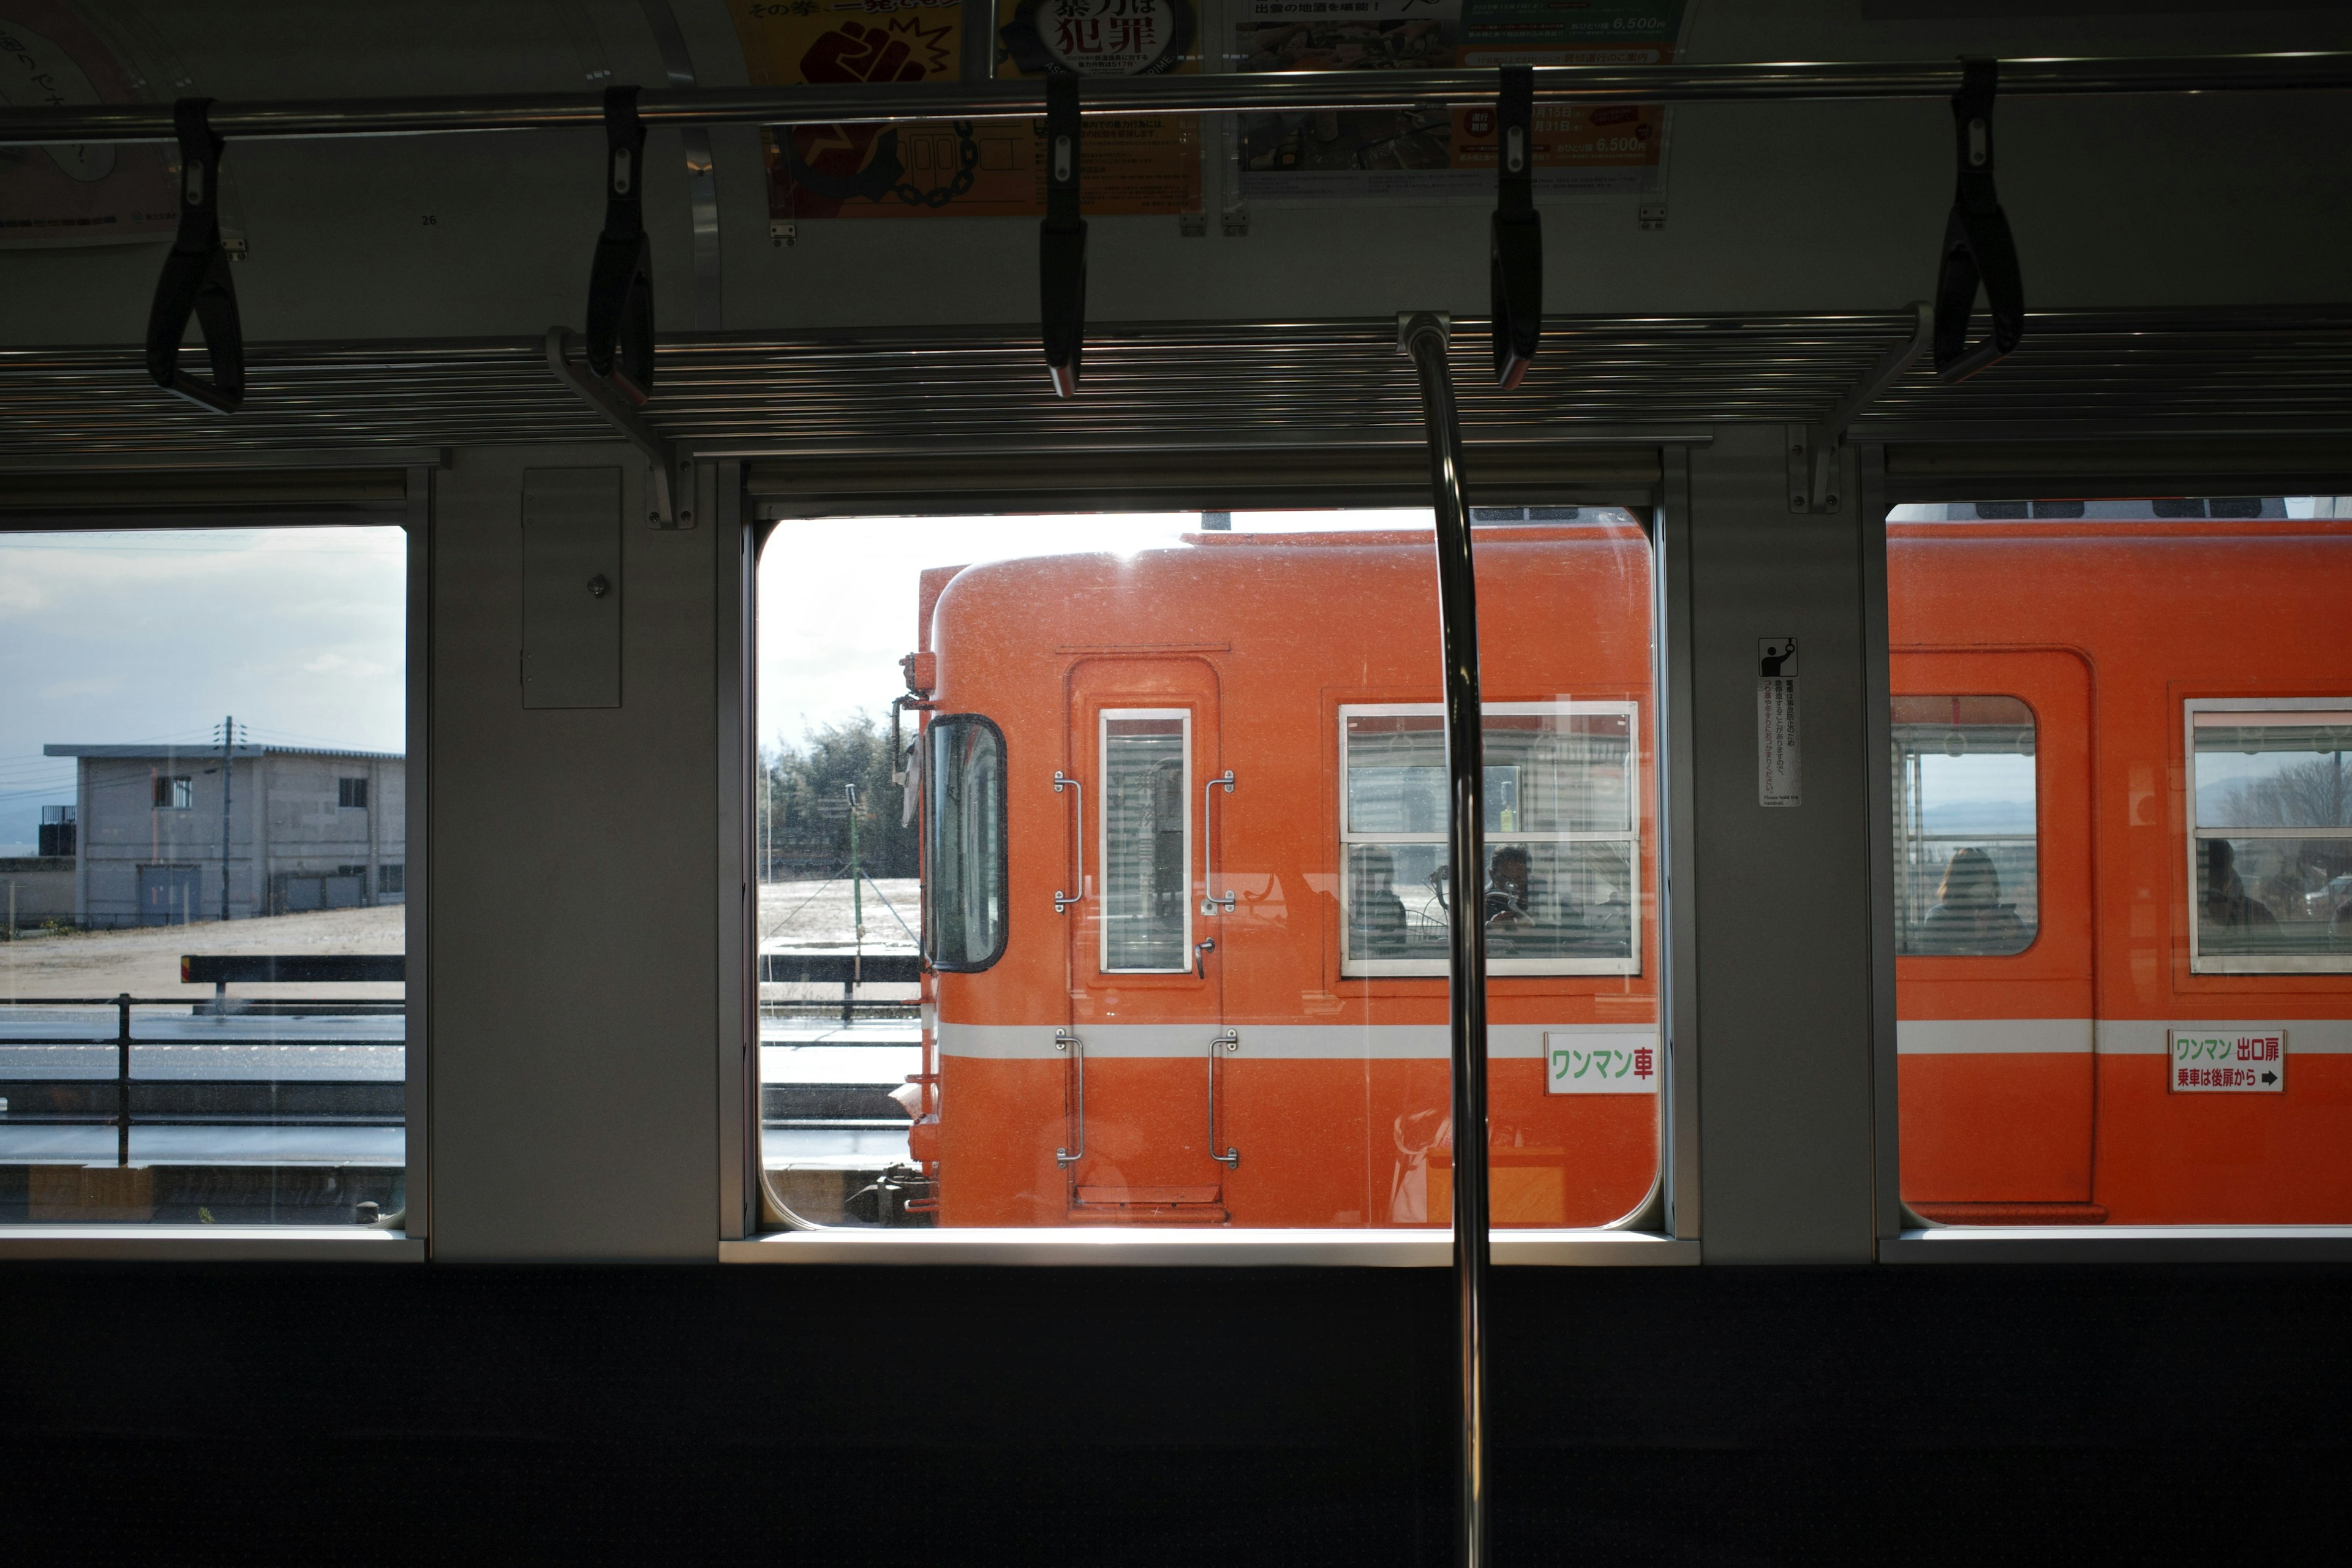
(180, 787)
(2034, 722)
(1103, 717)
(382, 488)
(2200, 963)
(1548, 968)
(1004, 832)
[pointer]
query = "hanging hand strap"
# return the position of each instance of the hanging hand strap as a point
(621, 283)
(1517, 275)
(1977, 243)
(195, 280)
(1062, 238)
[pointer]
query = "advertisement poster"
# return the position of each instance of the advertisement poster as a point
(1430, 150)
(990, 168)
(98, 193)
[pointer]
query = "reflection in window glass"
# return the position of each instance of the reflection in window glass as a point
(964, 819)
(1560, 851)
(1964, 849)
(172, 833)
(2274, 837)
(1207, 1006)
(1145, 836)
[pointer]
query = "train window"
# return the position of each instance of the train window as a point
(1147, 835)
(2270, 843)
(962, 781)
(1966, 878)
(2127, 715)
(1152, 938)
(205, 1015)
(1562, 846)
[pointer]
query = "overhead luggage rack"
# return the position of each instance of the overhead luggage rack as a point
(2252, 372)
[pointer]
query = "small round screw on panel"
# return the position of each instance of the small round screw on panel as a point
(653, 517)
(598, 587)
(686, 516)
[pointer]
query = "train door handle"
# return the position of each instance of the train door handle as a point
(1232, 1158)
(1066, 1041)
(1210, 903)
(1062, 901)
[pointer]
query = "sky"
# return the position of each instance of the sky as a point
(837, 596)
(300, 633)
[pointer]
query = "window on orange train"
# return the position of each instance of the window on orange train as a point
(1146, 851)
(1967, 867)
(2271, 836)
(963, 843)
(1562, 838)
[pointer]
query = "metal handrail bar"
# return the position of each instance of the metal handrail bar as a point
(1248, 91)
(13, 1043)
(206, 1002)
(1423, 335)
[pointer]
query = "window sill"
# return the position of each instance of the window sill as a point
(1134, 1247)
(2121, 1243)
(211, 1243)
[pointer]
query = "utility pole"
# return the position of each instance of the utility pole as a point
(228, 737)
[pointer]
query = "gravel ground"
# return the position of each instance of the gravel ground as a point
(818, 914)
(146, 960)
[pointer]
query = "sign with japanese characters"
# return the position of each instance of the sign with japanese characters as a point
(1599, 1062)
(976, 168)
(90, 192)
(1432, 150)
(2227, 1061)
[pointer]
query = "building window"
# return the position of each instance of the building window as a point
(2271, 836)
(392, 878)
(1966, 855)
(1562, 844)
(174, 792)
(351, 795)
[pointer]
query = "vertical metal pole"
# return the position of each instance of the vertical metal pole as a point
(1423, 334)
(228, 737)
(122, 1080)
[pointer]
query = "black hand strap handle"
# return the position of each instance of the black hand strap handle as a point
(1062, 240)
(195, 280)
(1516, 274)
(621, 284)
(1977, 243)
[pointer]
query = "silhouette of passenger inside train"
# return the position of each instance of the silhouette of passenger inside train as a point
(1376, 925)
(1507, 887)
(1969, 916)
(2225, 906)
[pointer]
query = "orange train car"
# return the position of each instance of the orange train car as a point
(1182, 861)
(2159, 1031)
(1207, 784)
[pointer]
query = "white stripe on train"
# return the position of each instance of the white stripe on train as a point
(1280, 1042)
(2108, 1037)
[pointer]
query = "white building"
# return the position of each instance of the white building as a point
(305, 828)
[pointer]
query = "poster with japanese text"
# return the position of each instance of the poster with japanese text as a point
(1430, 150)
(987, 168)
(94, 193)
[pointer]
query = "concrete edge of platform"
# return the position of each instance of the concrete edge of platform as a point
(1134, 1247)
(210, 1243)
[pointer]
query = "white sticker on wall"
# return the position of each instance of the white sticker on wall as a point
(2227, 1061)
(1779, 752)
(1599, 1061)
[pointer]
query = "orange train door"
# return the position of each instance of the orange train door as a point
(1993, 935)
(1146, 1009)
